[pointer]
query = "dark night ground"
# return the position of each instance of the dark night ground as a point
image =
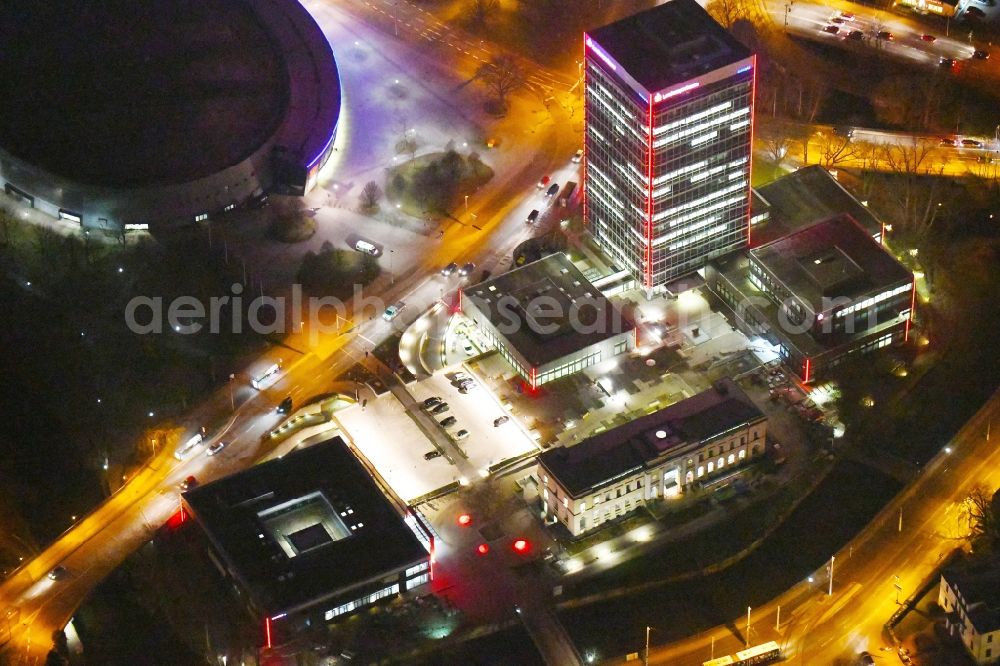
(835, 512)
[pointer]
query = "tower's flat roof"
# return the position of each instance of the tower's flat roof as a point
(669, 44)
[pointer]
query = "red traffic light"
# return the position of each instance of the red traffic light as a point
(464, 520)
(482, 549)
(522, 546)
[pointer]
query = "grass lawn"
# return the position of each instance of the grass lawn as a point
(843, 503)
(334, 272)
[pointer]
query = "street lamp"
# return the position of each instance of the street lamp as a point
(898, 588)
(232, 398)
(830, 588)
(392, 275)
(466, 203)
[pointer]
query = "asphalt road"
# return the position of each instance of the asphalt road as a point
(817, 628)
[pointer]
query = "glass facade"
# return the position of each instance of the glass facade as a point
(663, 197)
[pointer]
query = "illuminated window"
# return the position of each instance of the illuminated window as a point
(743, 454)
(701, 471)
(720, 463)
(711, 467)
(731, 459)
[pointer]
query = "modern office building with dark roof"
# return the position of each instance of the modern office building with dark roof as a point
(802, 198)
(970, 595)
(668, 99)
(818, 295)
(547, 320)
(698, 440)
(311, 537)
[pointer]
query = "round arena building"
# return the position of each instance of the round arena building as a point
(142, 115)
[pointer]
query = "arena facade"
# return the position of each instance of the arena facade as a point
(182, 110)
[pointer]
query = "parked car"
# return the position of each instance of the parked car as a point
(832, 29)
(459, 376)
(838, 20)
(979, 54)
(971, 143)
(856, 35)
(449, 269)
(367, 248)
(431, 455)
(215, 448)
(847, 16)
(543, 182)
(461, 434)
(467, 269)
(433, 400)
(500, 420)
(285, 406)
(532, 216)
(551, 192)
(948, 142)
(928, 38)
(189, 483)
(886, 35)
(578, 156)
(58, 573)
(449, 422)
(975, 12)
(440, 408)
(946, 62)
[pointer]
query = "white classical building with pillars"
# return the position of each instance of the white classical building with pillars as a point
(657, 456)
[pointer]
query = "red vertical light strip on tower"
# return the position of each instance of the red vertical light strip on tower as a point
(913, 304)
(649, 204)
(753, 108)
(267, 632)
(432, 557)
(534, 378)
(881, 236)
(583, 96)
(805, 379)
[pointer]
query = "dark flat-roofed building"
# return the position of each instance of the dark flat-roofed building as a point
(668, 100)
(819, 294)
(547, 320)
(696, 440)
(970, 595)
(802, 198)
(311, 537)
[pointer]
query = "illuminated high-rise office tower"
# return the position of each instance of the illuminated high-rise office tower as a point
(669, 125)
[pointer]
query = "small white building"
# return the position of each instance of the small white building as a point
(694, 441)
(970, 595)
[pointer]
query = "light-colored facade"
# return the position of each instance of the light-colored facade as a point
(972, 604)
(696, 441)
(667, 141)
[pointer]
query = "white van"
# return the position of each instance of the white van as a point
(365, 246)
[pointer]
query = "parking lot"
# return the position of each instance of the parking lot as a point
(394, 444)
(475, 411)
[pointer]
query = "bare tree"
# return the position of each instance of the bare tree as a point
(915, 195)
(981, 511)
(502, 75)
(776, 147)
(482, 10)
(836, 150)
(371, 194)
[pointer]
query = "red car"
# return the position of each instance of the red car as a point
(928, 38)
(543, 182)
